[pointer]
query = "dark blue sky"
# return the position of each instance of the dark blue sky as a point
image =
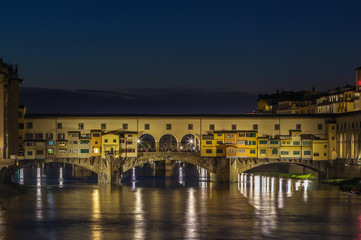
(248, 46)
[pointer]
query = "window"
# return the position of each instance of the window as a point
(298, 126)
(325, 146)
(103, 126)
(333, 127)
(241, 135)
(208, 142)
(29, 125)
(219, 142)
(211, 127)
(234, 127)
(125, 126)
(325, 154)
(274, 151)
(129, 142)
(28, 136)
(29, 144)
(21, 125)
(316, 154)
(307, 153)
(241, 142)
(306, 143)
(255, 126)
(277, 127)
(49, 136)
(84, 141)
(146, 126)
(251, 134)
(96, 134)
(50, 151)
(84, 150)
(50, 143)
(254, 143)
(219, 150)
(297, 143)
(114, 140)
(333, 138)
(73, 151)
(262, 141)
(229, 135)
(39, 144)
(168, 126)
(231, 150)
(62, 150)
(105, 140)
(353, 125)
(252, 151)
(39, 152)
(296, 152)
(208, 150)
(274, 142)
(319, 126)
(190, 126)
(81, 126)
(95, 150)
(241, 150)
(30, 153)
(59, 125)
(285, 153)
(263, 151)
(61, 136)
(38, 136)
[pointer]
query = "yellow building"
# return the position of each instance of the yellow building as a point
(213, 145)
(96, 143)
(128, 144)
(291, 145)
(251, 144)
(111, 144)
(320, 149)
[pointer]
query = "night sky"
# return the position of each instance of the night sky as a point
(176, 56)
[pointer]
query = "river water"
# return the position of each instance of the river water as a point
(65, 202)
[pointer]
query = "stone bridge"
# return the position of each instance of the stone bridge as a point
(223, 169)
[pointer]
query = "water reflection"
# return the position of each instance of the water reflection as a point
(95, 227)
(61, 179)
(191, 222)
(2, 224)
(39, 201)
(262, 195)
(139, 226)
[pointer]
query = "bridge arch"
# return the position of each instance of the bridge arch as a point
(168, 142)
(190, 142)
(147, 143)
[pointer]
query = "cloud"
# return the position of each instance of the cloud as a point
(137, 101)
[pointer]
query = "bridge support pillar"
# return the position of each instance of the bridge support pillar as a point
(105, 173)
(227, 171)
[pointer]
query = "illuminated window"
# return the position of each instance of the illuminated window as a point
(190, 126)
(81, 126)
(95, 150)
(50, 151)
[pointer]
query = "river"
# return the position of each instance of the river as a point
(65, 202)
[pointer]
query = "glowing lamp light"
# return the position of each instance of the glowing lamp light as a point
(359, 83)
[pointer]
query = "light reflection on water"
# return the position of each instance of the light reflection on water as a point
(257, 207)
